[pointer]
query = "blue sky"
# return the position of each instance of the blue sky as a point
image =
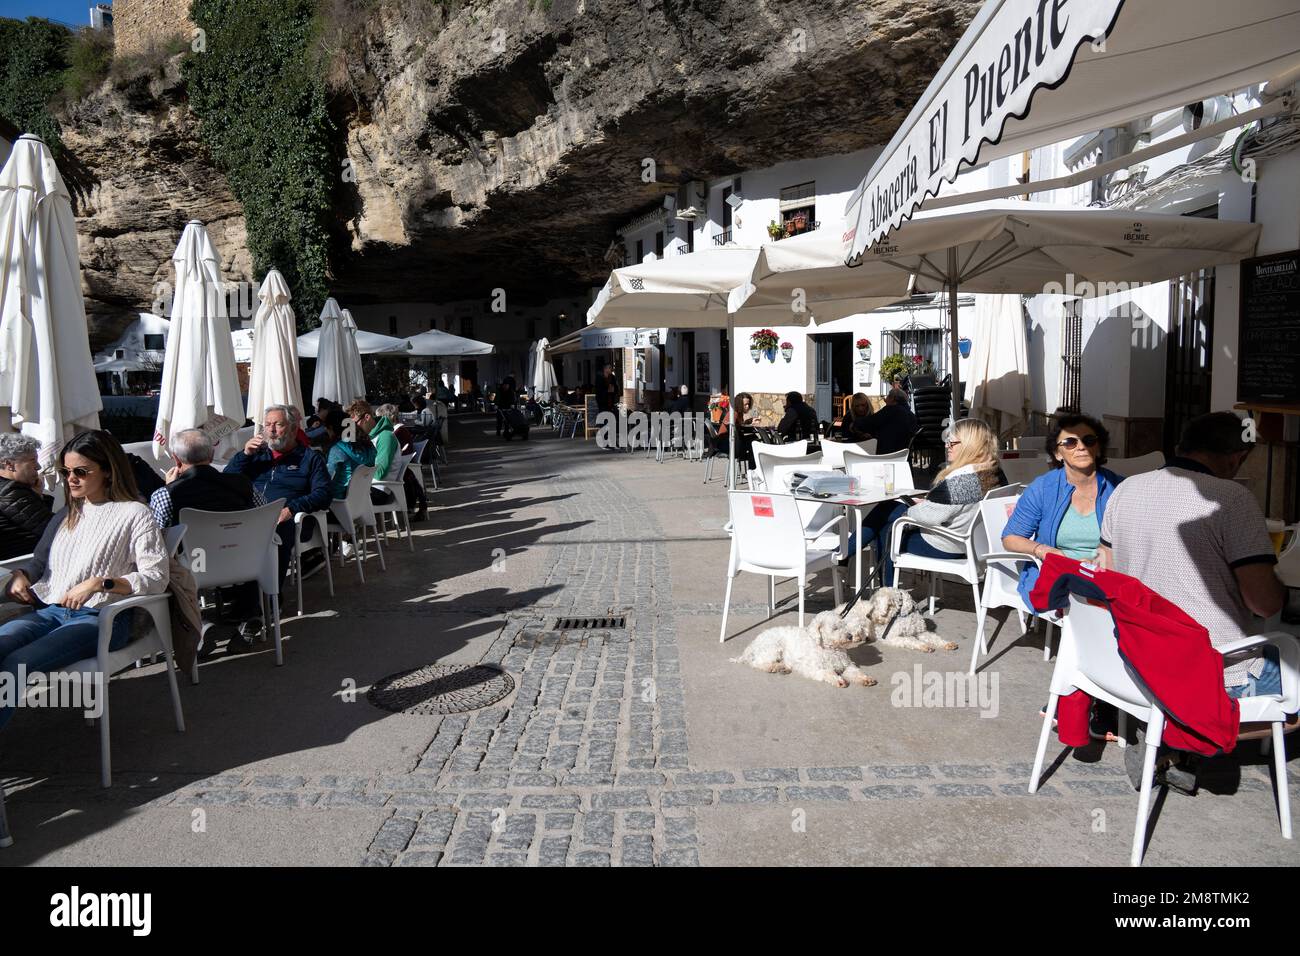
(75, 12)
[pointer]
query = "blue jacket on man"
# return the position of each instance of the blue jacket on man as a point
(298, 476)
(1040, 510)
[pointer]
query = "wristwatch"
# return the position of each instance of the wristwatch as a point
(106, 584)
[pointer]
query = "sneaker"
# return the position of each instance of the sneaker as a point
(1173, 769)
(251, 629)
(348, 550)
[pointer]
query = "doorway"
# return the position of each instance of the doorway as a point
(833, 381)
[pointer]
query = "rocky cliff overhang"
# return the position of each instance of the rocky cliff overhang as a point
(504, 151)
(500, 143)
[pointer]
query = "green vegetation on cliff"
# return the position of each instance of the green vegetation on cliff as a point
(256, 85)
(33, 58)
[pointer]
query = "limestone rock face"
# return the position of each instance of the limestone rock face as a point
(146, 175)
(502, 144)
(499, 143)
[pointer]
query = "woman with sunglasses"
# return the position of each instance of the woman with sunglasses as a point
(104, 546)
(1060, 512)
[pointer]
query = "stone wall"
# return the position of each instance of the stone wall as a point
(141, 25)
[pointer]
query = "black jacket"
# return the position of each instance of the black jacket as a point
(23, 516)
(800, 421)
(892, 427)
(300, 477)
(207, 489)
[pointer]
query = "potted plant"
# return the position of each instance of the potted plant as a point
(787, 350)
(765, 341)
(864, 349)
(894, 365)
(774, 230)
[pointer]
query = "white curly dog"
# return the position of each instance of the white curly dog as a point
(816, 651)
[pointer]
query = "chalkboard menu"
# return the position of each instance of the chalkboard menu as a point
(1268, 368)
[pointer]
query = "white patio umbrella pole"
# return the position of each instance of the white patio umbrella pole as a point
(954, 353)
(731, 405)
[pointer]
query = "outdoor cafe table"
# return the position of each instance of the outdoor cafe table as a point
(864, 500)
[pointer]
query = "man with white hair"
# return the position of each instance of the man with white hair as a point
(24, 511)
(280, 464)
(193, 483)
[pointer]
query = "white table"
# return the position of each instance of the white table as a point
(867, 498)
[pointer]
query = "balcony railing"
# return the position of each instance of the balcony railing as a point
(795, 227)
(722, 238)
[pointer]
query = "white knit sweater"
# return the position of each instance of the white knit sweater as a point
(115, 539)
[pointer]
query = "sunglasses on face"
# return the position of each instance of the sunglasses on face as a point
(79, 473)
(1089, 441)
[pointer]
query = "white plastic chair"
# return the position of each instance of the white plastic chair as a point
(236, 547)
(145, 450)
(150, 637)
(1089, 660)
(317, 540)
(877, 469)
(965, 565)
(397, 507)
(768, 538)
(772, 454)
(1288, 562)
(355, 511)
(1128, 467)
(833, 451)
(1002, 572)
(417, 456)
(1022, 468)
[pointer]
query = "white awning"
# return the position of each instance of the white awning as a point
(1028, 73)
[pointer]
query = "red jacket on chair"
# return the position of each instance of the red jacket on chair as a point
(1165, 651)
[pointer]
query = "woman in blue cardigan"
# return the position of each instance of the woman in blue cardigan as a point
(1061, 512)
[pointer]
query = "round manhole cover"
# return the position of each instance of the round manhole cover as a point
(441, 689)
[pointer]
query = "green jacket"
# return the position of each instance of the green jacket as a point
(385, 447)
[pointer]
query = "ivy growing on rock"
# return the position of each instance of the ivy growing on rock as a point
(33, 57)
(256, 84)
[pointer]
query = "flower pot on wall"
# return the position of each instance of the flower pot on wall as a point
(865, 354)
(770, 353)
(963, 347)
(756, 354)
(787, 353)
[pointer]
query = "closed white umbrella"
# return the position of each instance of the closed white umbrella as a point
(355, 367)
(998, 371)
(542, 379)
(46, 374)
(329, 346)
(273, 375)
(200, 387)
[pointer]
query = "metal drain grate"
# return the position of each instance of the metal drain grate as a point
(608, 623)
(441, 689)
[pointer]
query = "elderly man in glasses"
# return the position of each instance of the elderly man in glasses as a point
(24, 511)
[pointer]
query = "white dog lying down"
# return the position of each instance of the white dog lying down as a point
(816, 650)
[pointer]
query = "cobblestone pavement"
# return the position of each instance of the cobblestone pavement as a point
(588, 761)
